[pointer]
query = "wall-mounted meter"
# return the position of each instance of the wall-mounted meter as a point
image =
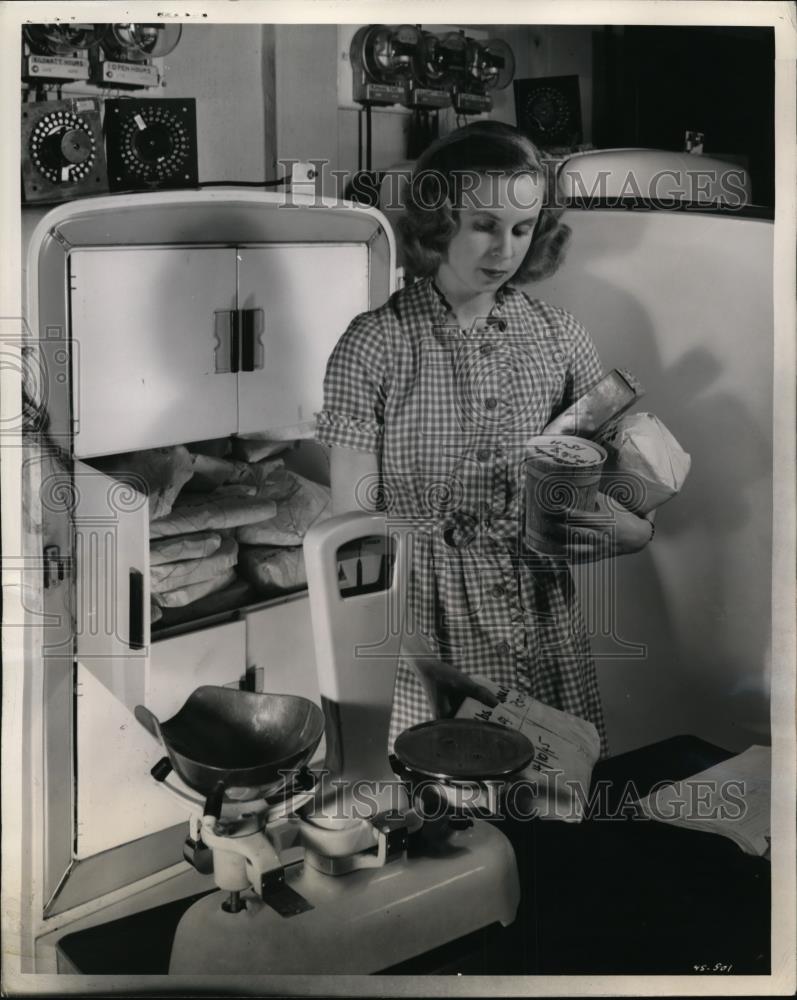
(487, 66)
(62, 154)
(57, 52)
(123, 58)
(431, 84)
(426, 71)
(383, 60)
(151, 143)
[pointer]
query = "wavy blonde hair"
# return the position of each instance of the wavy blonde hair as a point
(430, 217)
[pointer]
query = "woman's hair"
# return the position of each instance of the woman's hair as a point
(430, 218)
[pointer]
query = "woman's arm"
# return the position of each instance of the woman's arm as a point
(348, 469)
(610, 531)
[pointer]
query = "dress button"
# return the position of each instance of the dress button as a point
(558, 356)
(502, 648)
(499, 590)
(491, 402)
(485, 349)
(483, 454)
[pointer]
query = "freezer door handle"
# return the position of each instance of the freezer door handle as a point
(251, 326)
(136, 617)
(238, 340)
(227, 335)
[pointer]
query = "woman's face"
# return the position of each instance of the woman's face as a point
(496, 224)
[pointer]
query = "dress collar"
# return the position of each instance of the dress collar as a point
(442, 306)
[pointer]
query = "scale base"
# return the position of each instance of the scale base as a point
(362, 922)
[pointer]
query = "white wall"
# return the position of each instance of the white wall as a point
(550, 50)
(226, 68)
(685, 302)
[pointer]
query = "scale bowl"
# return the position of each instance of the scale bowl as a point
(466, 750)
(243, 739)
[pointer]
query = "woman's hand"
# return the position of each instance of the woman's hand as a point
(610, 530)
(566, 423)
(446, 686)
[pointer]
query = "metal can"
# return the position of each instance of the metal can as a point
(562, 475)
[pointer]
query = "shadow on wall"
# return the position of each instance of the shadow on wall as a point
(684, 301)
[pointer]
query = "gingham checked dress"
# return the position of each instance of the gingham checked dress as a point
(448, 411)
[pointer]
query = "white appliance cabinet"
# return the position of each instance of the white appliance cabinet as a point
(129, 302)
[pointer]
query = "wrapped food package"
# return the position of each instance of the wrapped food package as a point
(228, 490)
(210, 473)
(193, 592)
(213, 514)
(307, 503)
(274, 480)
(256, 445)
(255, 449)
(170, 576)
(161, 471)
(271, 569)
(215, 447)
(646, 466)
(195, 546)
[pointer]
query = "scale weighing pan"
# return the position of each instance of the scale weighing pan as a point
(468, 750)
(226, 738)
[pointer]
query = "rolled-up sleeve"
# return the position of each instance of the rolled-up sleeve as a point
(355, 388)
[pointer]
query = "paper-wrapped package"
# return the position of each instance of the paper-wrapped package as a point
(274, 480)
(180, 547)
(170, 576)
(194, 591)
(646, 465)
(254, 446)
(210, 473)
(215, 447)
(272, 570)
(213, 514)
(307, 503)
(256, 449)
(566, 749)
(161, 472)
(227, 490)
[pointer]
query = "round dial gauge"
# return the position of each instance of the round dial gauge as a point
(154, 143)
(548, 112)
(62, 147)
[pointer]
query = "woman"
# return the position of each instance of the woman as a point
(428, 401)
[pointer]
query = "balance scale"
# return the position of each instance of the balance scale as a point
(337, 871)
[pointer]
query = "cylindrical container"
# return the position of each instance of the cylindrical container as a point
(562, 474)
(604, 403)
